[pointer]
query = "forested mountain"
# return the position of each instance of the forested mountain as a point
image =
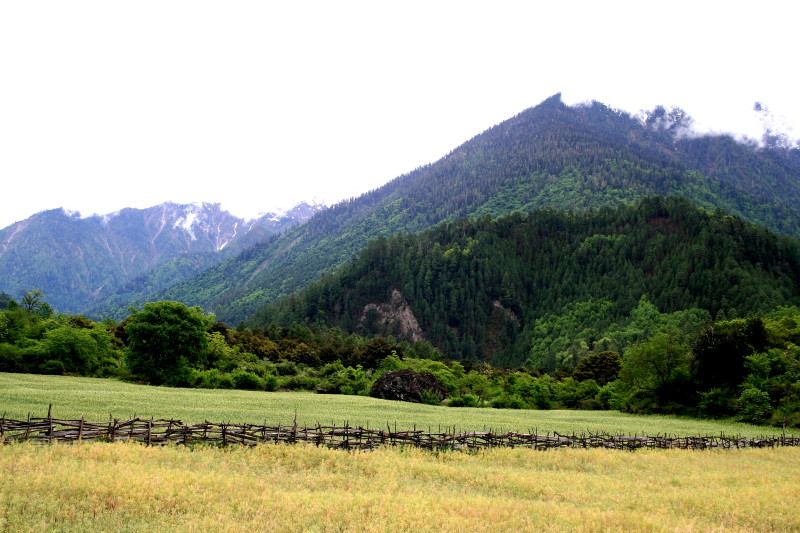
(478, 288)
(78, 262)
(551, 155)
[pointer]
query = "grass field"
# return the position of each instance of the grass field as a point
(129, 487)
(96, 399)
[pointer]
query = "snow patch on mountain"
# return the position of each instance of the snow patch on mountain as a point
(187, 222)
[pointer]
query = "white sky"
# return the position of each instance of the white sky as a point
(258, 104)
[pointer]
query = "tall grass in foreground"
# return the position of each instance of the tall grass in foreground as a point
(128, 487)
(96, 399)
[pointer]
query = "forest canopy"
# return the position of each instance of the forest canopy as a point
(496, 289)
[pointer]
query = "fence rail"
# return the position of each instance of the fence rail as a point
(163, 431)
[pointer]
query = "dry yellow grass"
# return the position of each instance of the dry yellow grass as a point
(126, 487)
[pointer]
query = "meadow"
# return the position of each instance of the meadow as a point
(129, 487)
(97, 399)
(273, 487)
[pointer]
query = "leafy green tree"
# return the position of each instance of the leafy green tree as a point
(77, 350)
(603, 367)
(30, 300)
(754, 406)
(477, 385)
(656, 371)
(573, 394)
(165, 340)
(33, 302)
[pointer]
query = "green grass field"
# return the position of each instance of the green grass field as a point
(96, 399)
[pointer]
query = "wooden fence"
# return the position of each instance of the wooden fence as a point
(162, 431)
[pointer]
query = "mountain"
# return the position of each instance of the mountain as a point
(78, 262)
(551, 155)
(475, 288)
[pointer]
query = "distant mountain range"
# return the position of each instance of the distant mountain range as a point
(78, 262)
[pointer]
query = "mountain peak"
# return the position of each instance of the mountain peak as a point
(555, 100)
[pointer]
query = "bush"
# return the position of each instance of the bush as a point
(534, 392)
(477, 385)
(430, 397)
(715, 403)
(465, 400)
(242, 379)
(52, 367)
(286, 368)
(509, 401)
(299, 382)
(10, 358)
(270, 382)
(344, 381)
(754, 407)
(449, 376)
(390, 363)
(260, 367)
(608, 396)
(639, 402)
(331, 368)
(592, 405)
(212, 379)
(571, 393)
(111, 366)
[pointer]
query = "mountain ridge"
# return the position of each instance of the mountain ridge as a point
(78, 261)
(550, 155)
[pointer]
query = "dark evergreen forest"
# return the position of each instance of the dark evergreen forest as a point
(479, 287)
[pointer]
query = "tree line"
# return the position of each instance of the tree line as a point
(682, 362)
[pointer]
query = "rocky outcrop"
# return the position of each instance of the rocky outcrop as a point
(396, 316)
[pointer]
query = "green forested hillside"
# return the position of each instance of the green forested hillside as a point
(551, 155)
(479, 288)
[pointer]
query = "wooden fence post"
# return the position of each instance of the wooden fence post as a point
(50, 422)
